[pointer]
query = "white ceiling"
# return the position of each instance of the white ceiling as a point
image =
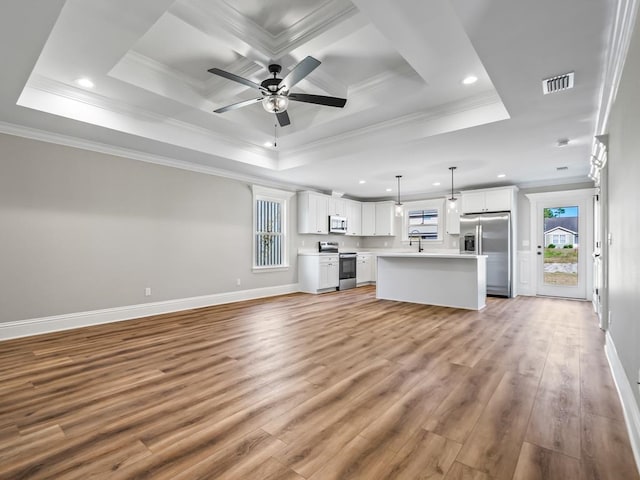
(400, 65)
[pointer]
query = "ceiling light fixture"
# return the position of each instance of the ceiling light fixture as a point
(502, 175)
(275, 103)
(470, 80)
(362, 182)
(399, 209)
(85, 82)
(452, 199)
(389, 189)
(436, 184)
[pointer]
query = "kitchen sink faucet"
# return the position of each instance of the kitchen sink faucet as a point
(419, 237)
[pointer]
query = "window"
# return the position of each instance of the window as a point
(270, 228)
(423, 220)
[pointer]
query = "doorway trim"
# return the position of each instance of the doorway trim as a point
(564, 197)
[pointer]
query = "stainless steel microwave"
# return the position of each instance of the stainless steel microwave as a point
(337, 224)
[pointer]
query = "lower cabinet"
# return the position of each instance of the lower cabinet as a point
(318, 273)
(365, 269)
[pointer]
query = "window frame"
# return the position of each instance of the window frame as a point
(283, 198)
(431, 204)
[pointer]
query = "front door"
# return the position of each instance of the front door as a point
(561, 248)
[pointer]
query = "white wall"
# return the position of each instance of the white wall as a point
(82, 231)
(624, 217)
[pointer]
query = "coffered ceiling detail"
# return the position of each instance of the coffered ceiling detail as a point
(399, 64)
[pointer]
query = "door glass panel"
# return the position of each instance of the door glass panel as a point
(561, 245)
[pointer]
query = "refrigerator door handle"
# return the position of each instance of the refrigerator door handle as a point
(478, 239)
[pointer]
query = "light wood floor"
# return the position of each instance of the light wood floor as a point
(336, 386)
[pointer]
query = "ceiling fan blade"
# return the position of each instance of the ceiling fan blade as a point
(237, 78)
(283, 118)
(235, 106)
(301, 70)
(318, 99)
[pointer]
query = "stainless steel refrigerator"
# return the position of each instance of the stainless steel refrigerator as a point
(490, 234)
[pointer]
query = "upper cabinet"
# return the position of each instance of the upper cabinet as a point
(313, 216)
(489, 200)
(363, 219)
(338, 206)
(354, 217)
(378, 219)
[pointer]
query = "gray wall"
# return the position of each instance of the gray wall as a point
(624, 215)
(82, 230)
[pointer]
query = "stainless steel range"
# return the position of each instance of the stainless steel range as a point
(348, 262)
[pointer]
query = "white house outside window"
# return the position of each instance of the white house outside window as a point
(270, 219)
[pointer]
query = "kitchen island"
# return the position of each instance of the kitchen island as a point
(450, 280)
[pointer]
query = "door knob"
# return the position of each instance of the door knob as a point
(539, 253)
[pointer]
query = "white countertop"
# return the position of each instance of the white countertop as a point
(312, 253)
(430, 255)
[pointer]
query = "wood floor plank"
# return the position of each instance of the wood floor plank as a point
(606, 452)
(300, 387)
(460, 471)
(537, 463)
(555, 420)
(456, 416)
(494, 444)
(424, 456)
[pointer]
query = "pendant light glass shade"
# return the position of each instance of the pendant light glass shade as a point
(399, 209)
(452, 199)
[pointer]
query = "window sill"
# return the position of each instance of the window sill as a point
(282, 268)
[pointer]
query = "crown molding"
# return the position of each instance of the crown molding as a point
(619, 41)
(404, 122)
(53, 87)
(131, 154)
(224, 16)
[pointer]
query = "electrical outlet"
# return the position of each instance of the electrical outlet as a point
(357, 244)
(455, 244)
(238, 281)
(147, 292)
(386, 243)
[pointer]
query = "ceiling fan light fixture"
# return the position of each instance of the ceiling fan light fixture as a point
(275, 103)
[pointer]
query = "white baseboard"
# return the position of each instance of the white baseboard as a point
(38, 326)
(629, 405)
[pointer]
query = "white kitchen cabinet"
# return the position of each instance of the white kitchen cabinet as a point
(385, 218)
(378, 219)
(318, 273)
(453, 218)
(313, 216)
(338, 206)
(489, 200)
(365, 269)
(368, 219)
(354, 217)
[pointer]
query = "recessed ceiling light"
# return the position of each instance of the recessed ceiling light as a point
(562, 142)
(85, 82)
(502, 175)
(470, 80)
(362, 181)
(436, 184)
(389, 189)
(268, 144)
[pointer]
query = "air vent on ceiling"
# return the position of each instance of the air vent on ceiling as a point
(558, 84)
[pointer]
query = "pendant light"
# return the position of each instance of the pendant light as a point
(452, 199)
(399, 209)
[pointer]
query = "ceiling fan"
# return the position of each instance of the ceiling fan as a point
(276, 91)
